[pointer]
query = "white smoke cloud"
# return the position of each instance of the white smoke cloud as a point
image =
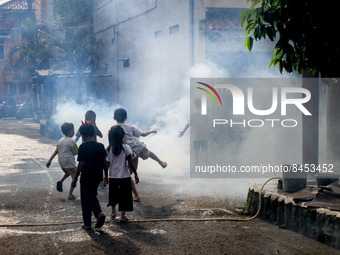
(71, 111)
(155, 92)
(168, 120)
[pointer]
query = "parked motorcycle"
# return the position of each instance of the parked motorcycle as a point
(24, 111)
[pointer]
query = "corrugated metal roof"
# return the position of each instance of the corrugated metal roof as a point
(9, 11)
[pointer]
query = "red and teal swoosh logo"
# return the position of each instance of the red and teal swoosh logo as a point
(209, 93)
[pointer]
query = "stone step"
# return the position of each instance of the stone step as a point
(279, 208)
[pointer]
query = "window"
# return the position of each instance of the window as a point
(174, 29)
(158, 33)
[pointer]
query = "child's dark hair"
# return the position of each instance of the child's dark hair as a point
(116, 135)
(66, 128)
(87, 130)
(120, 115)
(90, 115)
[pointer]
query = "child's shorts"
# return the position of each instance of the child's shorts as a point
(144, 154)
(70, 171)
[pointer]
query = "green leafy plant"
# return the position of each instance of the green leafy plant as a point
(76, 19)
(32, 51)
(303, 31)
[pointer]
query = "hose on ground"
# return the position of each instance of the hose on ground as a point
(154, 220)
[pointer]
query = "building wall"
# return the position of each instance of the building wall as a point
(10, 86)
(4, 44)
(163, 40)
(155, 37)
(43, 12)
(105, 53)
(202, 14)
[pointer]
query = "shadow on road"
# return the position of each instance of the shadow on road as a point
(25, 127)
(108, 244)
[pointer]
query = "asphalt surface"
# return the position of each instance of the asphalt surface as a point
(28, 196)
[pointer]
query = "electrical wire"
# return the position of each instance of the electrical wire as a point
(155, 220)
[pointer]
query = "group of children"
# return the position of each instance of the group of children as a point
(117, 162)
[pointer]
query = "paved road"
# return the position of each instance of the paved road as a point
(28, 195)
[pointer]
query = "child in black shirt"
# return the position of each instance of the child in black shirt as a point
(92, 162)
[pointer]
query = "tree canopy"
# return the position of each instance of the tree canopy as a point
(40, 48)
(76, 19)
(71, 12)
(305, 32)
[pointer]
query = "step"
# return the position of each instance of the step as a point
(279, 208)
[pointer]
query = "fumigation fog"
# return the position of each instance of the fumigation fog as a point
(259, 145)
(159, 98)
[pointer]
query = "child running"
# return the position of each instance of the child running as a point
(131, 138)
(138, 148)
(120, 183)
(66, 149)
(92, 161)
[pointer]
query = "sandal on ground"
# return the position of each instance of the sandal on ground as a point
(60, 186)
(87, 228)
(100, 221)
(136, 199)
(71, 198)
(114, 217)
(124, 220)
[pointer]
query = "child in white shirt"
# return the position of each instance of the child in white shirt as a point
(66, 149)
(120, 187)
